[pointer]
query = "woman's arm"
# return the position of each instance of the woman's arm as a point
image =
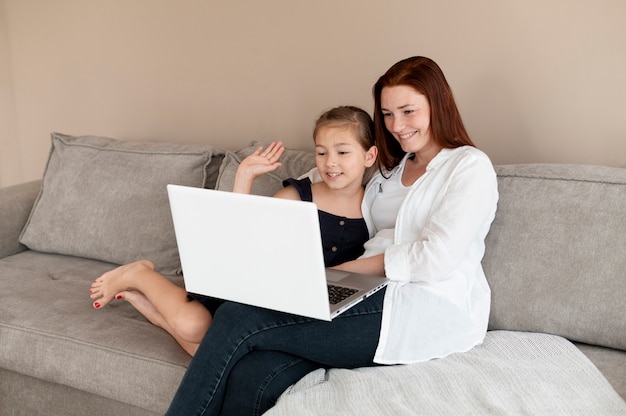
(257, 164)
(455, 227)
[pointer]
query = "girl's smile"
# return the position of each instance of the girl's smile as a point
(340, 158)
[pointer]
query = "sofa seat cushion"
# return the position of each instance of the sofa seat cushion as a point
(50, 331)
(611, 362)
(106, 199)
(511, 373)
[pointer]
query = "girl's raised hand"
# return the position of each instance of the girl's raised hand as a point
(257, 164)
(262, 161)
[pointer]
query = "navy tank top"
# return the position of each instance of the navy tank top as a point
(342, 237)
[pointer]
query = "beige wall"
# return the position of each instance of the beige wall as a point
(10, 167)
(536, 80)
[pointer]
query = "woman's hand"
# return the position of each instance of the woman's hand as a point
(257, 164)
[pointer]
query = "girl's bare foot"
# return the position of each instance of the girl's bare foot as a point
(104, 288)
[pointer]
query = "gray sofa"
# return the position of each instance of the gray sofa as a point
(555, 260)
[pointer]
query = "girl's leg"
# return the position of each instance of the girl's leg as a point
(349, 341)
(184, 319)
(139, 301)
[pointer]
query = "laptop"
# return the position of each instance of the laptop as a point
(260, 251)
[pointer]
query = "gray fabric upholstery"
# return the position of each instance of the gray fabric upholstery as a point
(50, 331)
(554, 260)
(555, 256)
(15, 204)
(106, 199)
(611, 362)
(28, 396)
(512, 373)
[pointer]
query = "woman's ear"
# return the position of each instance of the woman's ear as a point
(370, 156)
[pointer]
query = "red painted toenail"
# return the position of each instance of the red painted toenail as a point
(118, 296)
(96, 305)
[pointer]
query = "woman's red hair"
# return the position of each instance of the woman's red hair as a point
(446, 125)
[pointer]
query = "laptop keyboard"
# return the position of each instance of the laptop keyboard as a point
(338, 293)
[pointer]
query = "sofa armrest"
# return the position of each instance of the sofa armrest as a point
(16, 203)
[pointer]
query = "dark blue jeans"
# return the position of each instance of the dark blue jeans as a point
(292, 345)
(258, 380)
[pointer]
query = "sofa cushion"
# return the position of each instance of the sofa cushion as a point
(554, 255)
(106, 199)
(50, 331)
(15, 204)
(610, 362)
(511, 373)
(294, 164)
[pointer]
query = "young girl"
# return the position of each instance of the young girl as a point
(344, 146)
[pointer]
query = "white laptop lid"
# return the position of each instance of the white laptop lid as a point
(257, 250)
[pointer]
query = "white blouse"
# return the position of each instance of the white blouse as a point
(438, 300)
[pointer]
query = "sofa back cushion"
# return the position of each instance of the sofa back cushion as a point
(294, 164)
(556, 252)
(106, 199)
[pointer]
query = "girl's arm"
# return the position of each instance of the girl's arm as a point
(257, 164)
(374, 265)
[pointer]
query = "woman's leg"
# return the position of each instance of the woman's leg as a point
(183, 318)
(258, 380)
(349, 341)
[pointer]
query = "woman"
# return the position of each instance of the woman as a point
(430, 206)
